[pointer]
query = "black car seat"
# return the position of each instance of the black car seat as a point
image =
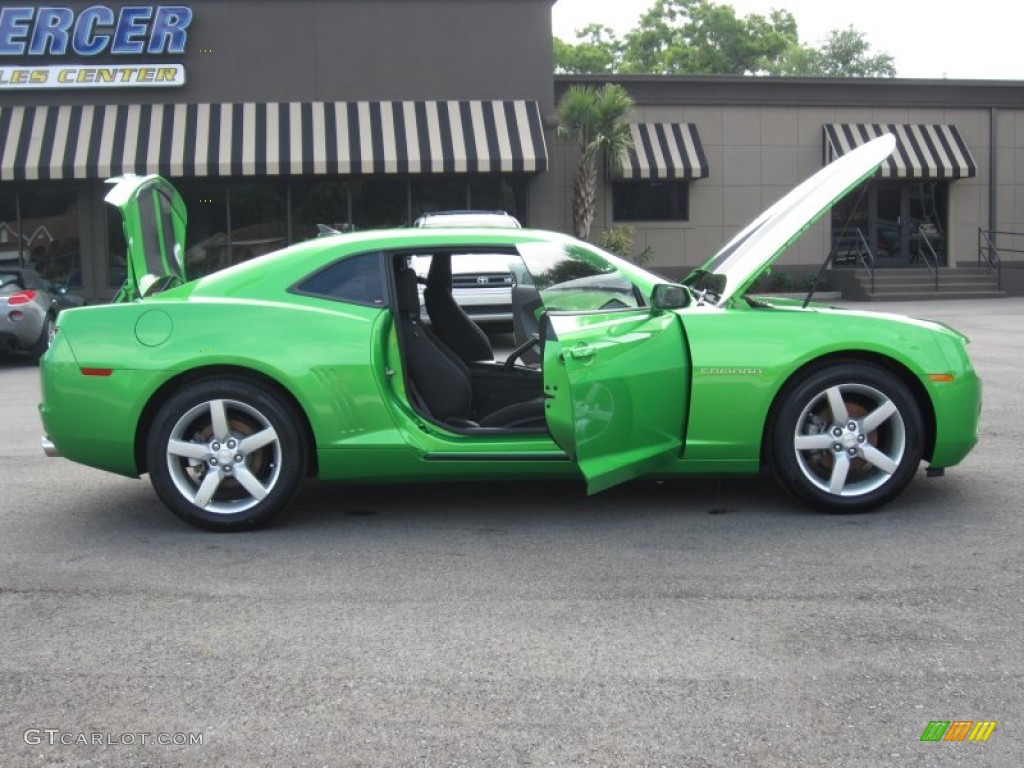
(526, 302)
(448, 320)
(440, 380)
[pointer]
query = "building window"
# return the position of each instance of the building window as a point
(10, 232)
(232, 220)
(499, 193)
(379, 202)
(206, 243)
(650, 201)
(319, 201)
(259, 218)
(49, 233)
(433, 193)
(482, 193)
(117, 249)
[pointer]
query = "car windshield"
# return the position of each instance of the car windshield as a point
(572, 278)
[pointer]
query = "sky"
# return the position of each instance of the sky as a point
(973, 40)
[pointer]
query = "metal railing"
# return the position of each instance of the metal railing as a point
(924, 248)
(859, 251)
(991, 256)
(866, 259)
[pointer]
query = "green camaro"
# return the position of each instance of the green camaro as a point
(319, 360)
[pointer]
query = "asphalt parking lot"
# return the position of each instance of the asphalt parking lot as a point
(682, 624)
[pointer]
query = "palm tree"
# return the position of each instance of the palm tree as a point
(597, 121)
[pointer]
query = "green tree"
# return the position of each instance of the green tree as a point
(597, 51)
(702, 37)
(597, 121)
(846, 53)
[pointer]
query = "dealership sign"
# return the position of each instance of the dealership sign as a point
(37, 32)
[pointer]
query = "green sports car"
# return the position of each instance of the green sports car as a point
(318, 360)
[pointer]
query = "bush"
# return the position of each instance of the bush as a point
(808, 281)
(781, 282)
(778, 281)
(619, 240)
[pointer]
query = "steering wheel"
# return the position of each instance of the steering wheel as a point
(510, 361)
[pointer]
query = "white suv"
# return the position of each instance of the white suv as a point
(481, 283)
(498, 219)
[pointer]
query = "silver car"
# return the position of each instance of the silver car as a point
(29, 305)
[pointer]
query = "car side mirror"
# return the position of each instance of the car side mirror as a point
(669, 296)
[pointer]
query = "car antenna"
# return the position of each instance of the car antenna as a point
(323, 230)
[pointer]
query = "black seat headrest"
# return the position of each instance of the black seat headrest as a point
(440, 273)
(408, 291)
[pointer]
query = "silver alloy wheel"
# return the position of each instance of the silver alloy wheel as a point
(849, 439)
(224, 456)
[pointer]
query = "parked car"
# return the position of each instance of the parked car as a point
(481, 283)
(498, 219)
(231, 389)
(29, 306)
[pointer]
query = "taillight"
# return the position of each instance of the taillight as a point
(21, 297)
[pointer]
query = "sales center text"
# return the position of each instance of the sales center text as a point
(90, 75)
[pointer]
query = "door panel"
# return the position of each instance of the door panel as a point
(616, 388)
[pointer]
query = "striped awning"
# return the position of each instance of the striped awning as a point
(665, 151)
(922, 151)
(255, 139)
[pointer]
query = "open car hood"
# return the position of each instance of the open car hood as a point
(732, 270)
(154, 219)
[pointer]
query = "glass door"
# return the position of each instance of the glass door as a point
(893, 223)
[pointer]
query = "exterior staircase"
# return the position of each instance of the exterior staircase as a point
(918, 284)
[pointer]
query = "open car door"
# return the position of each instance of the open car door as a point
(616, 372)
(615, 388)
(154, 219)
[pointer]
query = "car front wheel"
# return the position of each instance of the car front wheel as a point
(847, 438)
(225, 455)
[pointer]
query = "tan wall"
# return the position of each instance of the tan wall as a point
(757, 154)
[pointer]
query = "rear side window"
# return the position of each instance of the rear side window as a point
(357, 280)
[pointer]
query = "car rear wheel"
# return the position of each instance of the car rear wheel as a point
(847, 438)
(225, 455)
(45, 338)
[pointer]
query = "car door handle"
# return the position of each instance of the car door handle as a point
(582, 351)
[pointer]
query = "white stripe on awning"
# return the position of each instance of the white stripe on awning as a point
(922, 151)
(665, 151)
(254, 139)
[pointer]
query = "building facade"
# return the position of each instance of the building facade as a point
(275, 116)
(958, 168)
(270, 117)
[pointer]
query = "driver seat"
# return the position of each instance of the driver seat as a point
(450, 321)
(440, 380)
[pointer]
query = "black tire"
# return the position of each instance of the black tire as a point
(852, 464)
(43, 342)
(251, 483)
